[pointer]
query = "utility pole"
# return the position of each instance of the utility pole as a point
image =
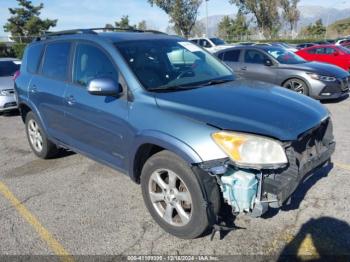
(206, 26)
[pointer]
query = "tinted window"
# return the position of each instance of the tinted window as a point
(232, 56)
(254, 57)
(204, 43)
(34, 57)
(217, 41)
(312, 51)
(91, 63)
(8, 68)
(56, 60)
(329, 51)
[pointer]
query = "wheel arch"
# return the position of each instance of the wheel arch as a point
(296, 77)
(25, 107)
(151, 142)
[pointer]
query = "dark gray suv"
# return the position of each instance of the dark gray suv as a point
(284, 68)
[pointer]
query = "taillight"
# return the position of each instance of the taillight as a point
(16, 75)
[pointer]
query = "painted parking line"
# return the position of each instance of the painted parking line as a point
(342, 166)
(54, 245)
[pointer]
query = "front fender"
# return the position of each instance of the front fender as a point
(165, 141)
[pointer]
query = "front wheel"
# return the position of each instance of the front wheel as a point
(297, 85)
(174, 197)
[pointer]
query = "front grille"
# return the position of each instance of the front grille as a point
(344, 83)
(311, 150)
(11, 104)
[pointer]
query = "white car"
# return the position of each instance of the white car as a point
(212, 44)
(8, 67)
(342, 41)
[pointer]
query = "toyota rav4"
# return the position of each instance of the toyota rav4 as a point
(172, 117)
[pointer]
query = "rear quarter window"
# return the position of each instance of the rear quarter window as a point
(34, 57)
(232, 56)
(56, 60)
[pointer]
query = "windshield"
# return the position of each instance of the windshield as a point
(169, 63)
(8, 68)
(284, 56)
(343, 49)
(217, 41)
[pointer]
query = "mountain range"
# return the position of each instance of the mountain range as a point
(308, 14)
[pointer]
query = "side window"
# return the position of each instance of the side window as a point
(204, 43)
(90, 63)
(329, 51)
(232, 56)
(34, 57)
(320, 51)
(56, 60)
(254, 57)
(221, 56)
(312, 51)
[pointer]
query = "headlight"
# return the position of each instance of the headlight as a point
(5, 92)
(251, 151)
(323, 78)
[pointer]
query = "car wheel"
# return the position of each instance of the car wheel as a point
(40, 145)
(297, 85)
(174, 196)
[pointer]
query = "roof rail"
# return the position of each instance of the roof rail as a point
(92, 31)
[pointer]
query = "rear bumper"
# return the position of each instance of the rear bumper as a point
(305, 157)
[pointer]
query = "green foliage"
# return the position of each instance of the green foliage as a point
(265, 13)
(182, 13)
(18, 49)
(25, 22)
(142, 25)
(6, 51)
(233, 27)
(124, 23)
(290, 13)
(315, 29)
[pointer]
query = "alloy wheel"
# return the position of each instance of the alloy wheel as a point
(35, 136)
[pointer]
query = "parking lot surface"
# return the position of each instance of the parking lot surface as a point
(72, 204)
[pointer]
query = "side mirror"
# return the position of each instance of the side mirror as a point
(268, 62)
(104, 87)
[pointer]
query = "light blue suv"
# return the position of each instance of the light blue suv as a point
(171, 116)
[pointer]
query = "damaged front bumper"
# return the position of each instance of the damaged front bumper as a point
(253, 191)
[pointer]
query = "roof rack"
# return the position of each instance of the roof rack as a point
(92, 31)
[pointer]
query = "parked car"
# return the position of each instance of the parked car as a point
(281, 67)
(8, 68)
(342, 41)
(184, 129)
(305, 45)
(285, 46)
(332, 54)
(212, 44)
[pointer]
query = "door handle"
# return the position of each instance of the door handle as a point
(33, 89)
(244, 68)
(70, 100)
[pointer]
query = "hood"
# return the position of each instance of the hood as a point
(247, 106)
(6, 83)
(319, 68)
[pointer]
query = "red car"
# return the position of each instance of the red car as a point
(332, 54)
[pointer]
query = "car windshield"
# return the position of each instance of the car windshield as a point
(168, 64)
(343, 49)
(8, 68)
(217, 41)
(284, 56)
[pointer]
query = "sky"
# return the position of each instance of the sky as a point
(96, 13)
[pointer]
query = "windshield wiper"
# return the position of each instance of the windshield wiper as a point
(216, 82)
(173, 88)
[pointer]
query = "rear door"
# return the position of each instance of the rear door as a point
(47, 87)
(232, 59)
(254, 68)
(96, 125)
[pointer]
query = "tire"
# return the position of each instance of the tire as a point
(40, 145)
(297, 85)
(193, 219)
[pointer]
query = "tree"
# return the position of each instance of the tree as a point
(316, 29)
(265, 13)
(198, 29)
(182, 13)
(142, 25)
(25, 21)
(124, 23)
(291, 13)
(229, 28)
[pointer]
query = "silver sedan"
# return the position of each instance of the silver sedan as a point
(8, 68)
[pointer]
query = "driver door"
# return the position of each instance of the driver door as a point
(96, 125)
